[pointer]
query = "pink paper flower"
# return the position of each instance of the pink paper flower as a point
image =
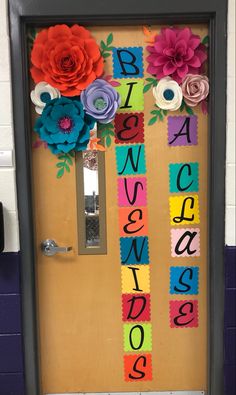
(176, 52)
(195, 89)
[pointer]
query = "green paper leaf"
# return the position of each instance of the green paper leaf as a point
(108, 141)
(69, 160)
(109, 48)
(150, 79)
(205, 40)
(182, 107)
(103, 45)
(67, 167)
(160, 116)
(152, 120)
(189, 110)
(60, 164)
(106, 55)
(72, 154)
(146, 88)
(107, 132)
(60, 172)
(109, 39)
(62, 156)
(155, 112)
(165, 112)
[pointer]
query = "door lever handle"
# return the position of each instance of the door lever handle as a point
(50, 247)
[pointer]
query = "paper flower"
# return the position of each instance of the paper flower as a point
(64, 125)
(42, 94)
(101, 101)
(168, 94)
(68, 58)
(195, 89)
(176, 52)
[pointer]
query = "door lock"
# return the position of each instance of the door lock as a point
(50, 247)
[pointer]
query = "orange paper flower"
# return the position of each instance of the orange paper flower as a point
(68, 58)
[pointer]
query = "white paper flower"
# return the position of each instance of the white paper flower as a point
(168, 94)
(42, 94)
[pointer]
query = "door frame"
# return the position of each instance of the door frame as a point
(43, 12)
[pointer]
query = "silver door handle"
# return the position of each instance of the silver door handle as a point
(50, 247)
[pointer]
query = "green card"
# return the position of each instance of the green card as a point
(131, 92)
(137, 337)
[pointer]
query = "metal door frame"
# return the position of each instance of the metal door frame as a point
(24, 13)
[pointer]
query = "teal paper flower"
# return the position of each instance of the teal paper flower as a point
(64, 125)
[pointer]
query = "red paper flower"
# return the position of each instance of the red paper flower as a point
(176, 53)
(68, 58)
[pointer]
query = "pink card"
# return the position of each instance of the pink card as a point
(132, 191)
(185, 242)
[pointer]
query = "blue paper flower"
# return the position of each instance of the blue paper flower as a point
(64, 125)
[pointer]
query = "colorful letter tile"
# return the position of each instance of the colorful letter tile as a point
(136, 307)
(129, 128)
(128, 62)
(184, 280)
(184, 210)
(133, 221)
(135, 279)
(131, 92)
(138, 367)
(132, 191)
(182, 130)
(183, 313)
(137, 337)
(183, 177)
(134, 250)
(130, 160)
(185, 242)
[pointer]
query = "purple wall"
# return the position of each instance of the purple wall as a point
(230, 321)
(11, 356)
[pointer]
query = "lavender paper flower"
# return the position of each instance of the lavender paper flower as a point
(101, 101)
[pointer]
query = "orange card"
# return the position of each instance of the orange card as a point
(133, 221)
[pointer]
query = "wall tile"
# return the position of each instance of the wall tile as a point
(231, 99)
(231, 15)
(11, 231)
(5, 100)
(231, 55)
(4, 59)
(11, 354)
(8, 189)
(230, 379)
(9, 273)
(230, 308)
(230, 143)
(230, 226)
(10, 314)
(12, 384)
(230, 184)
(6, 137)
(230, 346)
(4, 21)
(230, 267)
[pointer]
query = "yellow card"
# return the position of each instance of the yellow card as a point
(184, 210)
(135, 278)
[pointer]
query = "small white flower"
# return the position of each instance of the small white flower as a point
(42, 94)
(168, 94)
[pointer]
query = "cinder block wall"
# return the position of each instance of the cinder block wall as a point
(11, 359)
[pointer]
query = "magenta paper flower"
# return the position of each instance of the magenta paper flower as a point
(176, 52)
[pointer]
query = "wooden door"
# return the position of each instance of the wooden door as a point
(88, 341)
